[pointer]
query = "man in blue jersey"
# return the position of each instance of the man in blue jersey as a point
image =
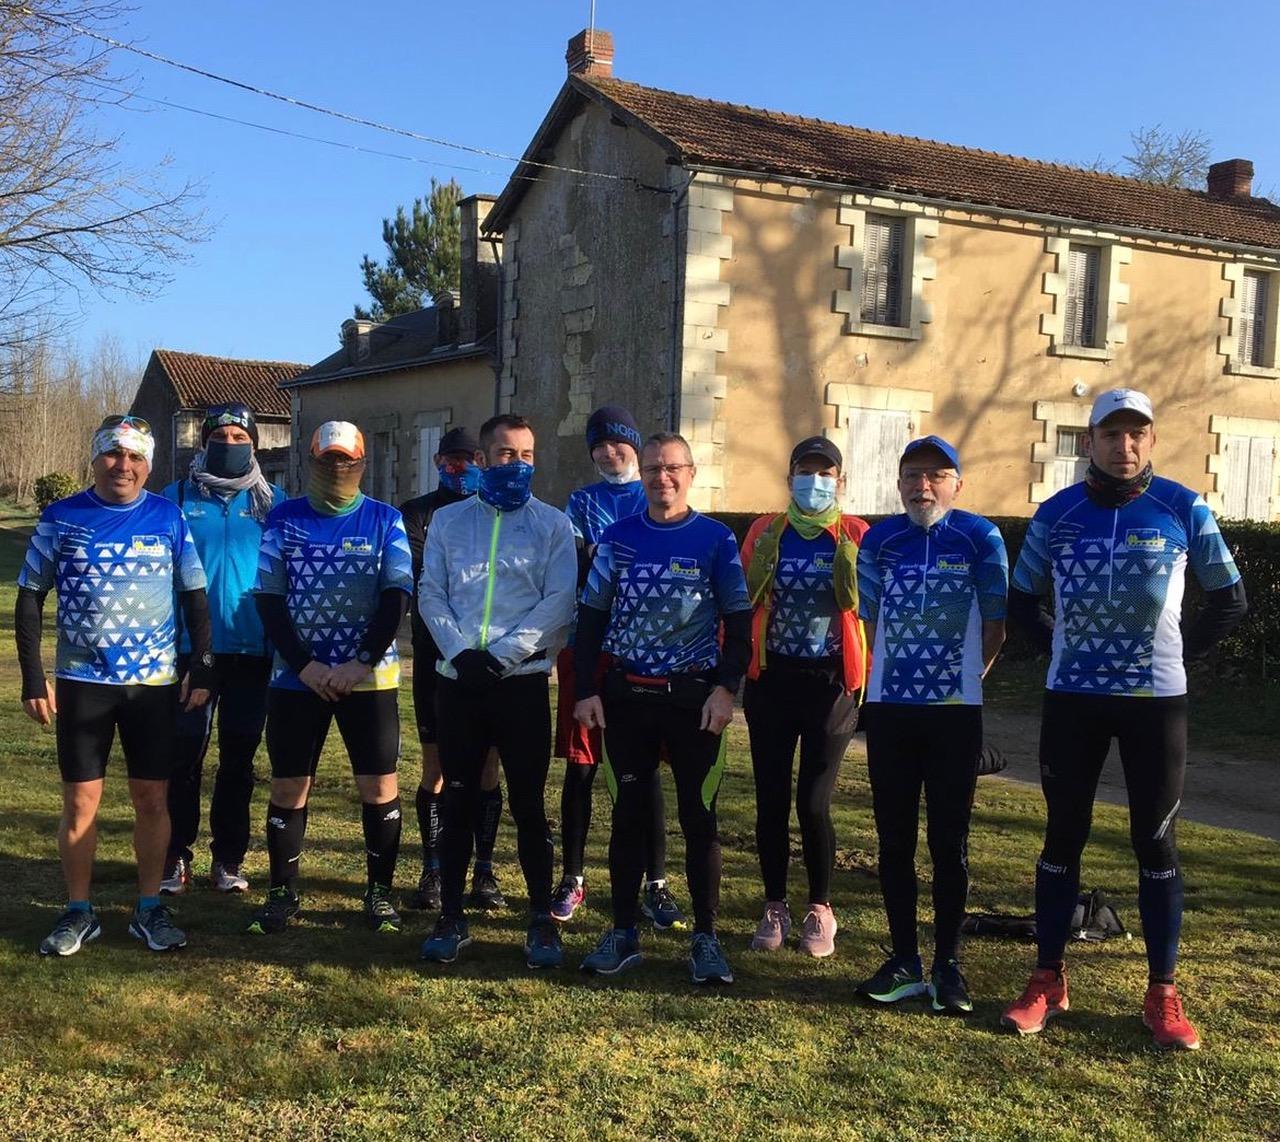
(458, 465)
(661, 586)
(1113, 551)
(225, 500)
(116, 557)
(932, 589)
(496, 595)
(614, 443)
(334, 579)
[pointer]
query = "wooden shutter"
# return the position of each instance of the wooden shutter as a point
(1080, 322)
(876, 440)
(1252, 319)
(428, 446)
(1248, 475)
(1070, 462)
(883, 240)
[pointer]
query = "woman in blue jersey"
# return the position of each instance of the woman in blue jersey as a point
(808, 667)
(614, 443)
(932, 588)
(225, 500)
(1114, 551)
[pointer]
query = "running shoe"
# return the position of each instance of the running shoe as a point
(379, 912)
(706, 961)
(567, 899)
(1044, 998)
(156, 929)
(1163, 1016)
(773, 929)
(660, 906)
(899, 977)
(426, 897)
(485, 893)
(818, 932)
(75, 928)
(542, 944)
(447, 939)
(949, 990)
(177, 877)
(617, 950)
(281, 906)
(227, 878)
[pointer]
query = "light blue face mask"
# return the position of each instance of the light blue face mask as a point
(813, 494)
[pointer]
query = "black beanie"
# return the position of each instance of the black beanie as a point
(234, 412)
(612, 422)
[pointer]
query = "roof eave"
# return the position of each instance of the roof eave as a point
(478, 349)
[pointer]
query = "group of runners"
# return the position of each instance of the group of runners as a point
(222, 597)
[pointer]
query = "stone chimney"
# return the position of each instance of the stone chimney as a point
(355, 339)
(481, 271)
(1231, 178)
(590, 53)
(446, 303)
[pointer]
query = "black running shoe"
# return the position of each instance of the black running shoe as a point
(379, 912)
(426, 897)
(948, 989)
(899, 977)
(485, 893)
(281, 906)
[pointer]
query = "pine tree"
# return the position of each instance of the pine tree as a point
(424, 255)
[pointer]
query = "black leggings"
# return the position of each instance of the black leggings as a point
(575, 821)
(636, 731)
(513, 714)
(1075, 738)
(239, 699)
(794, 701)
(935, 747)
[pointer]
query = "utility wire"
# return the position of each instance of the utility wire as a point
(358, 120)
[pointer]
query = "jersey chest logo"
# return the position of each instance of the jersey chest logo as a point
(147, 545)
(682, 567)
(356, 545)
(956, 564)
(1144, 539)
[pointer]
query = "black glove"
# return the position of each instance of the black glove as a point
(477, 668)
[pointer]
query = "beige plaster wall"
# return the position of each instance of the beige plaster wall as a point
(982, 356)
(461, 392)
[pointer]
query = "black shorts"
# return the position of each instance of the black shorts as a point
(298, 723)
(89, 713)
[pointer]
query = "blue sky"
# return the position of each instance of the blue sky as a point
(292, 218)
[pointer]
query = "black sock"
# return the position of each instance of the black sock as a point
(428, 806)
(285, 830)
(487, 827)
(381, 840)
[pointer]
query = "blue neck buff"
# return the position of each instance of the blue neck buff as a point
(506, 486)
(464, 479)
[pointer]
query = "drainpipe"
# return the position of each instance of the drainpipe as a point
(677, 297)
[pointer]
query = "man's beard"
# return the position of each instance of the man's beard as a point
(925, 515)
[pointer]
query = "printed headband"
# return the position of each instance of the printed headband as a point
(126, 437)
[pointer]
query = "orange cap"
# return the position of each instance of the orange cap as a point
(338, 436)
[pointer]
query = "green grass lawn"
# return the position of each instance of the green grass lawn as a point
(331, 1031)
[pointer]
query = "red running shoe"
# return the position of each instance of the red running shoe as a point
(1163, 1016)
(1045, 996)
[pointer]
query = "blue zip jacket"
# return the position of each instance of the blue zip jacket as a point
(227, 538)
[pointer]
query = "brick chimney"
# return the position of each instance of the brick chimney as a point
(1231, 178)
(590, 53)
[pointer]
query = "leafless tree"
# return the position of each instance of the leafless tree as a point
(1161, 156)
(72, 216)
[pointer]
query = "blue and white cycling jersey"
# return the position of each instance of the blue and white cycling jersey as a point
(804, 620)
(332, 570)
(118, 569)
(595, 507)
(928, 594)
(666, 586)
(1117, 576)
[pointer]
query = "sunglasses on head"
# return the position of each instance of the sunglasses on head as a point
(234, 412)
(127, 421)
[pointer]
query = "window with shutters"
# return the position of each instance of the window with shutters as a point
(884, 239)
(1070, 459)
(1247, 476)
(875, 443)
(428, 446)
(384, 467)
(1251, 343)
(1080, 323)
(1253, 310)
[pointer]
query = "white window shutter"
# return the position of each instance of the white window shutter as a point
(1261, 477)
(875, 442)
(1080, 320)
(1252, 318)
(428, 446)
(883, 243)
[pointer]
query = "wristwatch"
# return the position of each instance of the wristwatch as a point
(205, 659)
(364, 657)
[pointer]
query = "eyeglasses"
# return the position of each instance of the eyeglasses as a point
(929, 476)
(649, 471)
(127, 421)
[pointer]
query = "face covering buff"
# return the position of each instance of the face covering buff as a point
(506, 486)
(333, 491)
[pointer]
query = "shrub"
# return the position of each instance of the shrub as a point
(55, 486)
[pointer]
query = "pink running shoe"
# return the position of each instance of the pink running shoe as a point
(774, 927)
(818, 933)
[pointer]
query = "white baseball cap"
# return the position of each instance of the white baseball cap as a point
(338, 436)
(1121, 400)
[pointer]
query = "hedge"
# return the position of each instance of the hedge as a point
(1255, 645)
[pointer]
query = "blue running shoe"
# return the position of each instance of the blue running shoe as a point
(899, 977)
(75, 928)
(660, 906)
(542, 944)
(447, 939)
(706, 960)
(156, 929)
(618, 949)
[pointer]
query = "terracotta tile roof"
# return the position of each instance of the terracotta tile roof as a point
(706, 132)
(202, 381)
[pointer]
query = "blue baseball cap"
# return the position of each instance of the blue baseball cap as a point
(936, 443)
